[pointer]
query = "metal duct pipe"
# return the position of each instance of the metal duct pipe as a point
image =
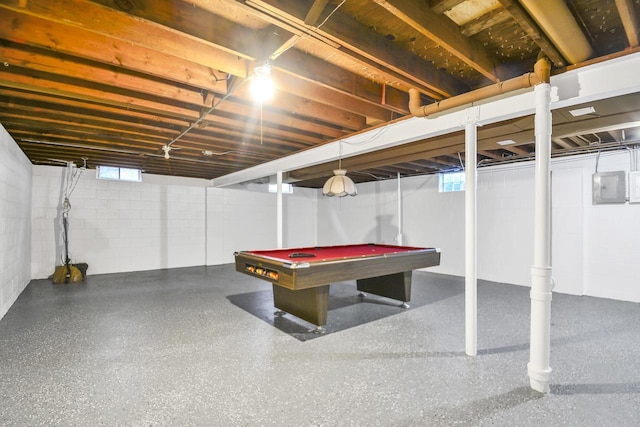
(541, 74)
(556, 20)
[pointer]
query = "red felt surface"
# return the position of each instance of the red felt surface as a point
(327, 253)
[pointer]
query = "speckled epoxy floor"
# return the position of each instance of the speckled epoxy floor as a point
(199, 346)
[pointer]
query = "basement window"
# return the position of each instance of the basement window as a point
(118, 174)
(451, 181)
(286, 188)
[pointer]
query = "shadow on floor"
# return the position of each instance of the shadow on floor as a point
(346, 308)
(609, 388)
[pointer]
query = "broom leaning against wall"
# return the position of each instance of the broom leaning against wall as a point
(68, 273)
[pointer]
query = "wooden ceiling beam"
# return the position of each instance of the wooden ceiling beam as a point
(222, 140)
(531, 28)
(81, 107)
(122, 132)
(489, 154)
(251, 44)
(50, 120)
(72, 90)
(445, 33)
(300, 107)
(125, 27)
(328, 114)
(46, 32)
(561, 142)
(69, 138)
(516, 150)
(55, 63)
(368, 47)
(337, 79)
(314, 12)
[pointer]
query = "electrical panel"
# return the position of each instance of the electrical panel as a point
(609, 187)
(634, 187)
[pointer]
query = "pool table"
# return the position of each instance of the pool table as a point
(301, 276)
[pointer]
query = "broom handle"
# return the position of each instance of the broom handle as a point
(66, 242)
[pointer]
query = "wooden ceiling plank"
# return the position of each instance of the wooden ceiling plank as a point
(307, 67)
(441, 6)
(107, 131)
(485, 22)
(314, 12)
(250, 44)
(301, 107)
(222, 124)
(200, 22)
(516, 150)
(71, 141)
(50, 62)
(531, 28)
(627, 13)
(85, 108)
(330, 114)
(68, 90)
(238, 39)
(445, 33)
(369, 47)
(43, 33)
(126, 28)
(561, 142)
(489, 154)
(295, 85)
(127, 103)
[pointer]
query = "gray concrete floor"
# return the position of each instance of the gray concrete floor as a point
(200, 346)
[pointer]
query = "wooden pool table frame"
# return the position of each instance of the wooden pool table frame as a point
(302, 287)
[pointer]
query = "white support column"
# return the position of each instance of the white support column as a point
(399, 237)
(470, 240)
(538, 367)
(279, 208)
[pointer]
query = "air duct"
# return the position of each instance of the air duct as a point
(541, 74)
(556, 20)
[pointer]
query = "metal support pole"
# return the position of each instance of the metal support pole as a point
(538, 367)
(279, 208)
(399, 237)
(470, 240)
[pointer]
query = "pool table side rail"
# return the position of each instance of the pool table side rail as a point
(294, 276)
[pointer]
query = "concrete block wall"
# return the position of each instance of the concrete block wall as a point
(15, 221)
(595, 248)
(117, 226)
(245, 219)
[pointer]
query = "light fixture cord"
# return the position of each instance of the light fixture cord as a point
(260, 123)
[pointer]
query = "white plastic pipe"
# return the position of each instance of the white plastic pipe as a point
(399, 237)
(470, 241)
(538, 367)
(279, 208)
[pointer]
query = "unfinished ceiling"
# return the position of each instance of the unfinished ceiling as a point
(116, 81)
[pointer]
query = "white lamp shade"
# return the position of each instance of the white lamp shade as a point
(339, 185)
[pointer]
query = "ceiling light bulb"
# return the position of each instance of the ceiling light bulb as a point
(262, 87)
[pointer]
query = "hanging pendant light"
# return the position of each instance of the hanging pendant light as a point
(262, 87)
(339, 184)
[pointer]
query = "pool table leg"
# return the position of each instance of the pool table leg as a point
(396, 286)
(309, 304)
